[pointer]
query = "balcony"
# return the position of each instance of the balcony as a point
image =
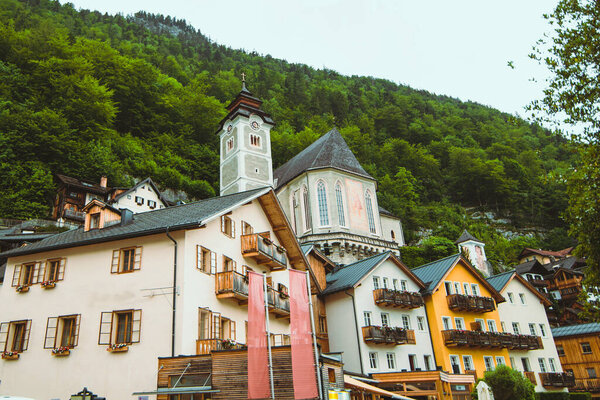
(460, 338)
(557, 379)
(531, 376)
(279, 303)
(263, 251)
(477, 304)
(206, 346)
(388, 335)
(231, 284)
(396, 298)
(586, 385)
(74, 215)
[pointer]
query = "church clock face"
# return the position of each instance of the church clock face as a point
(254, 125)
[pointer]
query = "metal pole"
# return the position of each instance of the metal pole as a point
(312, 325)
(268, 336)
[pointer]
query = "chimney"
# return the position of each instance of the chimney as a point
(103, 181)
(126, 216)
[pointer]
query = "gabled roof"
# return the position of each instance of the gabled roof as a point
(383, 211)
(434, 272)
(101, 204)
(533, 266)
(329, 151)
(82, 184)
(500, 281)
(572, 263)
(466, 236)
(547, 253)
(146, 181)
(350, 275)
(310, 248)
(575, 330)
(146, 223)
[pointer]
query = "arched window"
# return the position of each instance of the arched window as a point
(322, 199)
(340, 204)
(370, 217)
(306, 204)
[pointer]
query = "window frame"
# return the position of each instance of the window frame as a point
(55, 331)
(306, 209)
(457, 358)
(421, 323)
(475, 289)
(7, 335)
(210, 269)
(532, 329)
(518, 326)
(322, 204)
(373, 360)
(523, 299)
(500, 358)
(369, 208)
(406, 323)
(450, 324)
(493, 327)
(470, 358)
(492, 366)
(59, 273)
(462, 321)
(341, 209)
(228, 226)
(581, 345)
(391, 360)
(561, 352)
(117, 265)
(367, 318)
(109, 326)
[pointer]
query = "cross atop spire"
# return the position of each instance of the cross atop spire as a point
(243, 77)
(244, 82)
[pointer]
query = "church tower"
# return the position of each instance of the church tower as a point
(245, 145)
(474, 249)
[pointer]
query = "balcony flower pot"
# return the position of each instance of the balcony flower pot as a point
(22, 289)
(228, 344)
(117, 348)
(61, 352)
(9, 355)
(48, 284)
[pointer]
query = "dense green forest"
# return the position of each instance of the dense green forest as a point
(88, 94)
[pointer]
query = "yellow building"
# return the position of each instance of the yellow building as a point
(463, 317)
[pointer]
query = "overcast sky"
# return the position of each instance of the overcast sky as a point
(457, 48)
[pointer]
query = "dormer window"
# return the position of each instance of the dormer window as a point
(95, 221)
(254, 140)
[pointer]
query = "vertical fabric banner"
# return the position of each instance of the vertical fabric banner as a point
(258, 361)
(303, 359)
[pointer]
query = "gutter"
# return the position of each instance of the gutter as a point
(362, 371)
(174, 291)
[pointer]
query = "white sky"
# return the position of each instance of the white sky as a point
(457, 48)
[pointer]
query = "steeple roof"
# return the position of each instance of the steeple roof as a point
(329, 151)
(245, 104)
(466, 236)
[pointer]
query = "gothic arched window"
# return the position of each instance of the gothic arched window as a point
(339, 198)
(306, 204)
(322, 199)
(370, 217)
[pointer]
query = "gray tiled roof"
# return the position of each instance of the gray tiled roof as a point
(349, 275)
(465, 236)
(529, 266)
(306, 248)
(330, 150)
(431, 274)
(146, 223)
(573, 330)
(500, 280)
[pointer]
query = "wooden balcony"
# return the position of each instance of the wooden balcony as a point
(557, 379)
(206, 346)
(279, 303)
(531, 376)
(231, 284)
(263, 251)
(460, 338)
(388, 335)
(586, 385)
(476, 304)
(396, 298)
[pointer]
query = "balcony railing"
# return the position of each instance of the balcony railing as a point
(279, 303)
(72, 214)
(263, 251)
(557, 379)
(460, 338)
(586, 385)
(531, 376)
(280, 339)
(388, 335)
(206, 346)
(396, 298)
(478, 304)
(231, 284)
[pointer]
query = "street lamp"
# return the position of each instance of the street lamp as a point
(85, 394)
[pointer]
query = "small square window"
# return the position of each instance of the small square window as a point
(560, 350)
(591, 372)
(139, 200)
(522, 297)
(511, 298)
(391, 361)
(228, 226)
(94, 221)
(586, 348)
(373, 360)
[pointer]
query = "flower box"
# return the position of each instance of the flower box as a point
(48, 285)
(10, 356)
(61, 352)
(117, 348)
(22, 289)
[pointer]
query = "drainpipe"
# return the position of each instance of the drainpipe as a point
(174, 291)
(430, 336)
(357, 335)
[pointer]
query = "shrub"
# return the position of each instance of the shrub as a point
(508, 384)
(580, 396)
(552, 396)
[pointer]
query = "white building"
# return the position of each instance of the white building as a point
(97, 306)
(475, 251)
(376, 317)
(143, 196)
(524, 313)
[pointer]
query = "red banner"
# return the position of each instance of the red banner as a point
(258, 359)
(303, 359)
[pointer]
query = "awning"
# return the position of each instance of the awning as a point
(179, 390)
(350, 381)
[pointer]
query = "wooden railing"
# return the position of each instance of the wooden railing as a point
(388, 335)
(263, 251)
(531, 376)
(231, 282)
(460, 338)
(478, 304)
(557, 379)
(280, 339)
(586, 385)
(396, 298)
(279, 303)
(206, 346)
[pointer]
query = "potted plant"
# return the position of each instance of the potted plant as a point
(22, 289)
(228, 344)
(48, 284)
(10, 355)
(61, 351)
(118, 348)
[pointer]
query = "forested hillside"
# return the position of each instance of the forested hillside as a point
(86, 94)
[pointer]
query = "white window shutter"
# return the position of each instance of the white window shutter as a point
(136, 326)
(17, 275)
(114, 269)
(50, 340)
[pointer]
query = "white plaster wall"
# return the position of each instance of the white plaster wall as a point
(389, 224)
(478, 261)
(88, 289)
(532, 312)
(341, 329)
(146, 192)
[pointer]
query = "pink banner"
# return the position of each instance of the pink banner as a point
(259, 386)
(303, 359)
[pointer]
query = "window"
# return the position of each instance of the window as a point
(375, 282)
(54, 270)
(120, 327)
(385, 319)
(552, 364)
(227, 226)
(306, 204)
(138, 200)
(340, 204)
(370, 217)
(322, 202)
(456, 287)
(406, 321)
(455, 363)
(532, 330)
(421, 323)
(492, 325)
(373, 360)
(126, 260)
(525, 362)
(448, 286)
(468, 363)
(229, 145)
(403, 285)
(542, 363)
(204, 324)
(560, 350)
(322, 324)
(412, 362)
(489, 363)
(480, 324)
(586, 348)
(522, 297)
(428, 364)
(447, 323)
(254, 140)
(516, 328)
(206, 260)
(391, 360)
(543, 330)
(228, 264)
(26, 274)
(591, 372)
(512, 363)
(331, 375)
(511, 298)
(385, 283)
(503, 326)
(14, 335)
(466, 288)
(395, 283)
(95, 219)
(152, 204)
(247, 229)
(367, 318)
(500, 360)
(459, 323)
(62, 331)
